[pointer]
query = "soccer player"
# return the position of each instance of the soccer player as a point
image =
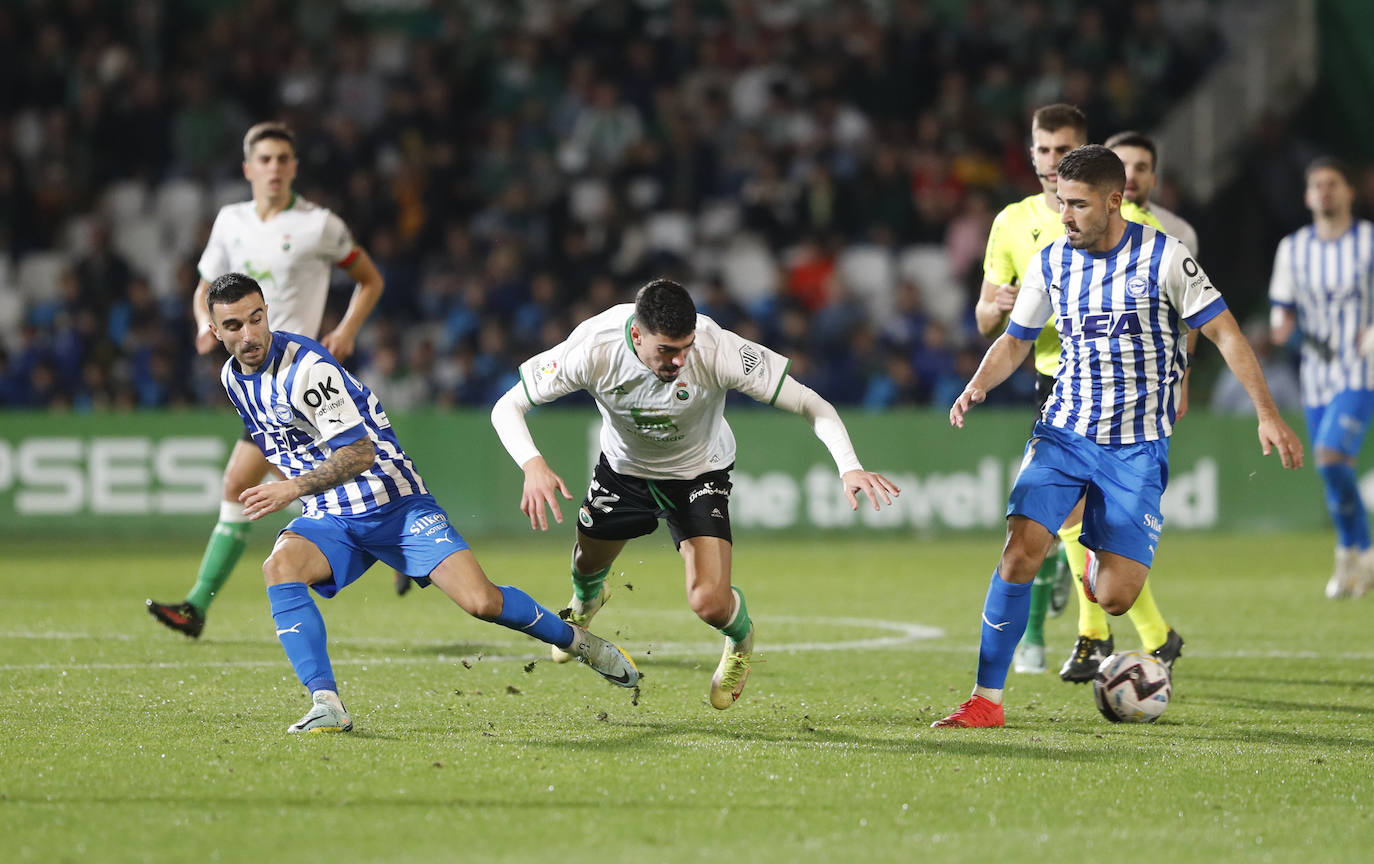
(1323, 285)
(1141, 158)
(288, 245)
(1019, 231)
(362, 501)
(659, 373)
(1125, 294)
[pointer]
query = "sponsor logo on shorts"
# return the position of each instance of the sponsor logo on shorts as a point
(708, 488)
(715, 513)
(429, 525)
(1153, 522)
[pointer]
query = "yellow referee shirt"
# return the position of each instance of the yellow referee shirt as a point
(1023, 229)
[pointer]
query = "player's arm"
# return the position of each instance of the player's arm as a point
(343, 465)
(1282, 322)
(1283, 319)
(541, 483)
(1223, 330)
(341, 340)
(1004, 357)
(994, 304)
(825, 421)
(205, 340)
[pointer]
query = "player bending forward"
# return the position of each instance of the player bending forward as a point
(660, 373)
(1125, 295)
(362, 501)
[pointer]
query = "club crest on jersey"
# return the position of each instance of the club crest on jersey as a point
(1102, 325)
(283, 412)
(1138, 286)
(286, 242)
(751, 357)
(584, 516)
(682, 394)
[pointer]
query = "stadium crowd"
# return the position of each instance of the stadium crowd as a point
(821, 174)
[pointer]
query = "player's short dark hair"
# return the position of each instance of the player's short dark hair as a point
(664, 308)
(231, 288)
(1331, 162)
(1135, 139)
(1095, 165)
(267, 131)
(1058, 116)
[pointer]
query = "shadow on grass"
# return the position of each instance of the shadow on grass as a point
(915, 738)
(1271, 680)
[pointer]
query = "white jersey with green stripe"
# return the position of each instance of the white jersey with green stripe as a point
(657, 430)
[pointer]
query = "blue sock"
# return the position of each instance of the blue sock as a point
(1005, 612)
(1345, 505)
(301, 631)
(520, 612)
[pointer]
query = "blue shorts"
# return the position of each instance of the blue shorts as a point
(411, 534)
(1341, 424)
(1123, 484)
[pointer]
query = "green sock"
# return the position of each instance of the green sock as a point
(586, 587)
(221, 554)
(737, 628)
(1041, 589)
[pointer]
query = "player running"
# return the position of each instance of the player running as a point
(659, 373)
(1323, 285)
(1019, 231)
(1124, 295)
(362, 501)
(288, 245)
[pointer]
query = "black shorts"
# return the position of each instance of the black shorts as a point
(246, 437)
(621, 507)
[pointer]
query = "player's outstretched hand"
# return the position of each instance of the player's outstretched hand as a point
(1274, 434)
(970, 397)
(339, 343)
(873, 484)
(1005, 298)
(540, 485)
(268, 498)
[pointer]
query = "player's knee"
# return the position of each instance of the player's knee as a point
(711, 606)
(1019, 565)
(1115, 604)
(276, 572)
(485, 605)
(234, 487)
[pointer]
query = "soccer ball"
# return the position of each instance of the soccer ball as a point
(1132, 687)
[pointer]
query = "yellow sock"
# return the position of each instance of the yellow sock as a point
(1147, 620)
(1092, 621)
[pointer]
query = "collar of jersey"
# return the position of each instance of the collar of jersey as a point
(630, 343)
(1133, 229)
(273, 351)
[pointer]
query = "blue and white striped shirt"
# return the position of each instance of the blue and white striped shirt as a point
(301, 405)
(1122, 315)
(1329, 284)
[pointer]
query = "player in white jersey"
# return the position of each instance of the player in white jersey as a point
(289, 245)
(1124, 295)
(363, 501)
(1323, 286)
(659, 373)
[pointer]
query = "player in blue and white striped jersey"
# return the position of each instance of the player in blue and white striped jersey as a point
(363, 501)
(1125, 296)
(1323, 286)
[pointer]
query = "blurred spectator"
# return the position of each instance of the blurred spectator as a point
(514, 170)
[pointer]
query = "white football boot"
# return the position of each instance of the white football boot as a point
(1344, 575)
(580, 615)
(326, 715)
(1029, 658)
(608, 659)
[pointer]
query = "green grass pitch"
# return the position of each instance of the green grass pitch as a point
(120, 741)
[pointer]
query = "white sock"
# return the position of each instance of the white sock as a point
(992, 695)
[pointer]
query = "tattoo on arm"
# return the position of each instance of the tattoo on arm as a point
(342, 465)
